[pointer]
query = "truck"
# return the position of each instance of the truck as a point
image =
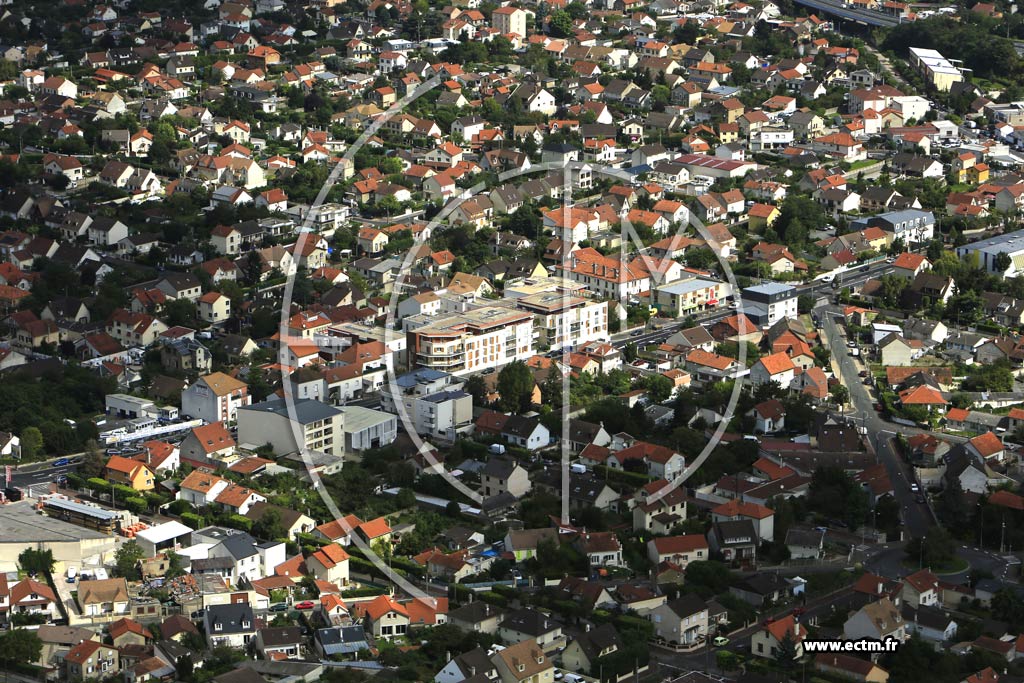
(72, 573)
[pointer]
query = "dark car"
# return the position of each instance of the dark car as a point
(199, 614)
(279, 607)
(862, 373)
(636, 333)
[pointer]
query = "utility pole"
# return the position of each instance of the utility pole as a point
(1002, 535)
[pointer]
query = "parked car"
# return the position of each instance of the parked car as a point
(279, 607)
(720, 641)
(305, 604)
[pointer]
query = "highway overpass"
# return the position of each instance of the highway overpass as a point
(843, 11)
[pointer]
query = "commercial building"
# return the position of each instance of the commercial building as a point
(463, 343)
(939, 72)
(25, 528)
(366, 428)
(766, 304)
(682, 298)
(989, 250)
(308, 424)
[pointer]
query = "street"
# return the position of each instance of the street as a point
(814, 609)
(916, 516)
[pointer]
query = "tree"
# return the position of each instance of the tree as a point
(840, 394)
(183, 667)
(126, 560)
(31, 443)
(269, 525)
(476, 387)
(252, 268)
(560, 25)
(658, 387)
(20, 645)
(92, 461)
(785, 656)
(515, 387)
(952, 508)
(934, 550)
(36, 561)
(174, 568)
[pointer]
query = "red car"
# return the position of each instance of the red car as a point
(305, 604)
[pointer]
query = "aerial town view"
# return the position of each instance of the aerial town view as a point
(511, 341)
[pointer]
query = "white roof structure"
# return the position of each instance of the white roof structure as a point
(161, 533)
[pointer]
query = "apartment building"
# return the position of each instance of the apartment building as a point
(682, 298)
(562, 319)
(469, 342)
(606, 277)
(215, 398)
(307, 424)
(939, 72)
(434, 402)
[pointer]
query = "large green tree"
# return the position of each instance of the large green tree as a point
(515, 387)
(126, 560)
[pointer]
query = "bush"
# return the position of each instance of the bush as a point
(494, 599)
(135, 505)
(240, 522)
(626, 622)
(191, 519)
(97, 483)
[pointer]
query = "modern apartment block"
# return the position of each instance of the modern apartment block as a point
(562, 319)
(433, 401)
(469, 342)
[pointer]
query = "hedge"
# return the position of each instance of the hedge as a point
(191, 519)
(240, 522)
(626, 622)
(631, 478)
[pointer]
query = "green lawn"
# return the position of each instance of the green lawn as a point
(956, 566)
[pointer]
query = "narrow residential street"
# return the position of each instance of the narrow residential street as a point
(916, 516)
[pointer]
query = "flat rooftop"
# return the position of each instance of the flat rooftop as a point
(358, 418)
(22, 524)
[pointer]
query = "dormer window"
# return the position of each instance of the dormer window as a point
(218, 626)
(245, 623)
